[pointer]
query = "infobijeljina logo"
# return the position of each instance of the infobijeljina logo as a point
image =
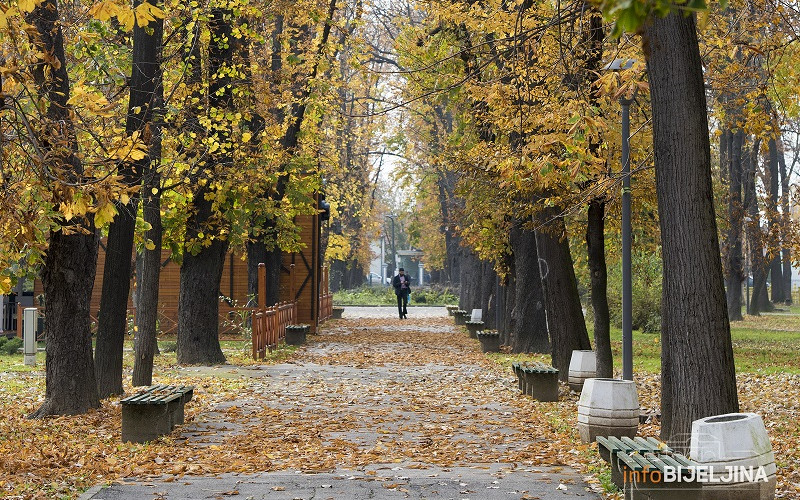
(698, 474)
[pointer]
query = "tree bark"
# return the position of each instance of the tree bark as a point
(528, 326)
(148, 277)
(145, 96)
(112, 322)
(758, 265)
(149, 265)
(596, 249)
(734, 247)
(70, 263)
(488, 295)
(698, 376)
(563, 304)
(471, 286)
(775, 268)
(785, 222)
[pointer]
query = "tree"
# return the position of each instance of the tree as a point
(698, 374)
(146, 104)
(206, 243)
(69, 271)
(564, 311)
(144, 99)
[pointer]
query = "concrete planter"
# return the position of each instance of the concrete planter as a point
(337, 312)
(477, 315)
(473, 327)
(296, 334)
(608, 407)
(737, 440)
(490, 340)
(582, 366)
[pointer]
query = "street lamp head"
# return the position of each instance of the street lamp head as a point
(619, 64)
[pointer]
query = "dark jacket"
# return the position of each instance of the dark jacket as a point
(396, 285)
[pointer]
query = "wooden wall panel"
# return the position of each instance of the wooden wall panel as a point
(233, 283)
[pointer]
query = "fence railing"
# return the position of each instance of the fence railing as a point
(269, 323)
(325, 296)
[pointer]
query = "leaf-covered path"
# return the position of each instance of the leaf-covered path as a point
(376, 407)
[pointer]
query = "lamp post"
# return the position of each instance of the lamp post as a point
(627, 288)
(394, 252)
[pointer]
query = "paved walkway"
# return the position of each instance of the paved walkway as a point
(373, 407)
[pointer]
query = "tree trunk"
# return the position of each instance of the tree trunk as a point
(755, 241)
(145, 96)
(563, 304)
(112, 322)
(775, 269)
(528, 326)
(785, 222)
(148, 278)
(470, 297)
(697, 372)
(509, 301)
(256, 254)
(725, 154)
(68, 277)
(488, 295)
(734, 247)
(596, 249)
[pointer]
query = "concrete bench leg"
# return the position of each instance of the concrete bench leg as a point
(544, 386)
(143, 423)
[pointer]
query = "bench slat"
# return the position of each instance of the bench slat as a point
(630, 461)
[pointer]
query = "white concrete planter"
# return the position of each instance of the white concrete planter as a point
(608, 407)
(582, 366)
(477, 315)
(734, 440)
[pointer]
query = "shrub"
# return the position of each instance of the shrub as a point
(384, 296)
(169, 347)
(12, 346)
(3, 340)
(646, 299)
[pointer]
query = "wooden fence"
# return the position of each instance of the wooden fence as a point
(269, 323)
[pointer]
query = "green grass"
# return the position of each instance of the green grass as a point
(766, 344)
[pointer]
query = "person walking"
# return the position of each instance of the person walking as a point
(402, 288)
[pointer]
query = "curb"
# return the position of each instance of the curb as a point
(91, 492)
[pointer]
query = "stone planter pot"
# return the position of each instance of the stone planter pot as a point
(473, 327)
(582, 366)
(737, 440)
(459, 317)
(608, 407)
(490, 340)
(337, 312)
(296, 334)
(476, 315)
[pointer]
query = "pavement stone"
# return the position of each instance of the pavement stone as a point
(343, 389)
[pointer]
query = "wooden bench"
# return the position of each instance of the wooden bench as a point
(153, 412)
(537, 380)
(610, 447)
(644, 476)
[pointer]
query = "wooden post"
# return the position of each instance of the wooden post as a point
(19, 319)
(292, 293)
